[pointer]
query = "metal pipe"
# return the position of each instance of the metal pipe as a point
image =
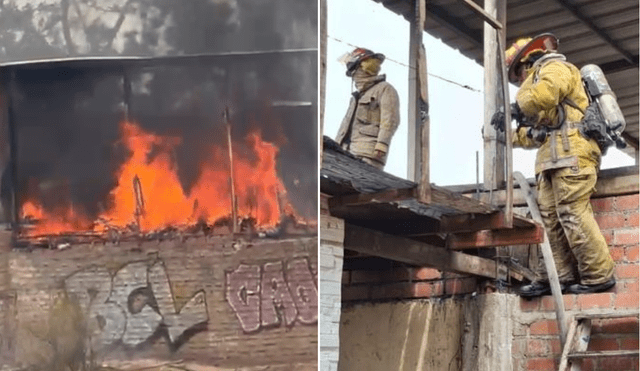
(477, 175)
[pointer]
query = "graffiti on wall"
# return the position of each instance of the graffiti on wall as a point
(273, 294)
(134, 305)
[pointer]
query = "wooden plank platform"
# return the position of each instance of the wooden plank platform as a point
(368, 197)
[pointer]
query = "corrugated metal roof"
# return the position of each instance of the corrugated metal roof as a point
(590, 31)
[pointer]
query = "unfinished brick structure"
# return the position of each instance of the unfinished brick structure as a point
(197, 303)
(384, 292)
(396, 314)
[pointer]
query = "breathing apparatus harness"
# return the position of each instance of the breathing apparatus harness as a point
(602, 119)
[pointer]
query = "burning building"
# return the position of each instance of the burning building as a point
(141, 146)
(125, 164)
(165, 193)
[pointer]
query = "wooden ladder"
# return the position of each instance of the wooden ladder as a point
(578, 337)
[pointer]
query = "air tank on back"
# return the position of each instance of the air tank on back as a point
(600, 91)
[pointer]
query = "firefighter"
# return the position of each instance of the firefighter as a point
(549, 108)
(373, 115)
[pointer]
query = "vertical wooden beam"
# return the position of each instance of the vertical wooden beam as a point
(234, 208)
(418, 116)
(323, 69)
(494, 164)
(413, 139)
(508, 151)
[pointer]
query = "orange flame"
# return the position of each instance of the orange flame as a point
(161, 201)
(54, 222)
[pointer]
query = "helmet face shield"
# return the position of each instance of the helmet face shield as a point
(353, 59)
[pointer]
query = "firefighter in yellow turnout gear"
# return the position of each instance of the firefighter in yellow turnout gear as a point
(373, 115)
(551, 100)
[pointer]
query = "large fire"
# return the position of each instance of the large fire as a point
(149, 194)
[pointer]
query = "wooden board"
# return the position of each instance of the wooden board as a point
(405, 250)
(609, 353)
(615, 186)
(489, 238)
(609, 314)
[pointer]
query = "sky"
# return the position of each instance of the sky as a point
(456, 112)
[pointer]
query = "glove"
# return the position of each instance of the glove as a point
(516, 113)
(498, 120)
(378, 154)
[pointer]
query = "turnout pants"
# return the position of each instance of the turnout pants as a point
(579, 249)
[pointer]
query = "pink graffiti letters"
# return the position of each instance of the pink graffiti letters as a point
(302, 285)
(272, 295)
(131, 305)
(277, 304)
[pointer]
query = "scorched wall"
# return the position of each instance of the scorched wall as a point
(198, 303)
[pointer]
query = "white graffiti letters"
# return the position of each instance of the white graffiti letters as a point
(131, 305)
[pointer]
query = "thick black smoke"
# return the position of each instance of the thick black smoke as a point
(67, 118)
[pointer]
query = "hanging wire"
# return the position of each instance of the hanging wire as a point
(406, 65)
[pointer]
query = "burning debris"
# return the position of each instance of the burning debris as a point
(149, 201)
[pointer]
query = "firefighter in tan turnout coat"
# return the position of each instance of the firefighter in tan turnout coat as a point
(373, 115)
(552, 99)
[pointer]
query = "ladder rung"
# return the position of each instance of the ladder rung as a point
(609, 353)
(608, 315)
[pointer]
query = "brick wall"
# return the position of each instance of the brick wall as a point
(201, 303)
(401, 282)
(536, 344)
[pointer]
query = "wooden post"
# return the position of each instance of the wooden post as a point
(234, 209)
(494, 162)
(418, 116)
(508, 151)
(323, 68)
(139, 199)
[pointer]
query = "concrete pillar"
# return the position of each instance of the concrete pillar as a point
(496, 332)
